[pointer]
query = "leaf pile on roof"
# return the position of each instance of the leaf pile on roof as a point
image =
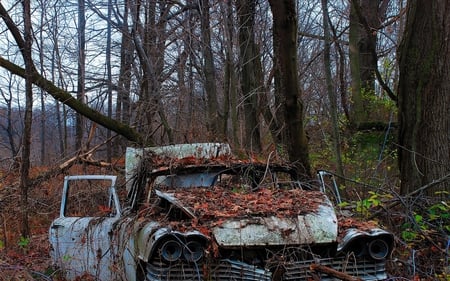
(157, 162)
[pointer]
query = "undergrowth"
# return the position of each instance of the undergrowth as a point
(369, 189)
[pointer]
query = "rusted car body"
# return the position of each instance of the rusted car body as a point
(203, 215)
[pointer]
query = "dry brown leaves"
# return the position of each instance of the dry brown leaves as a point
(217, 202)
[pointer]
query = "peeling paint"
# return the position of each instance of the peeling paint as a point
(314, 228)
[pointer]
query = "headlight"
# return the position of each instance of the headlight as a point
(193, 251)
(171, 251)
(358, 247)
(378, 249)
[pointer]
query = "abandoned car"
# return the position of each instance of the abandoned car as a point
(193, 212)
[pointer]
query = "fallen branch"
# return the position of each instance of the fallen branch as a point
(332, 272)
(85, 156)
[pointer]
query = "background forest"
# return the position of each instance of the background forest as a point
(357, 87)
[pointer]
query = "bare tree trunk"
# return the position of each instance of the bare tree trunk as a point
(231, 91)
(366, 17)
(43, 152)
(56, 67)
(357, 113)
(81, 72)
(287, 83)
(191, 44)
(109, 79)
(149, 38)
(331, 90)
(26, 139)
(215, 115)
(251, 74)
(7, 99)
(424, 99)
(123, 106)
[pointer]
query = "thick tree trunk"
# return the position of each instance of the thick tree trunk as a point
(214, 114)
(251, 80)
(424, 99)
(332, 96)
(287, 84)
(231, 85)
(362, 65)
(365, 19)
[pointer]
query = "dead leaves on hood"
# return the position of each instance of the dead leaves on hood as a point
(220, 203)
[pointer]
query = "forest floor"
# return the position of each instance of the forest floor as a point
(424, 258)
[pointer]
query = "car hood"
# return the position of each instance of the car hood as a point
(289, 217)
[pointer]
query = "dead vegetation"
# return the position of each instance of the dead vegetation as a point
(423, 257)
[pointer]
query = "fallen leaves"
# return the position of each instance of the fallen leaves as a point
(217, 202)
(347, 223)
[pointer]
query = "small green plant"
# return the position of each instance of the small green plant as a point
(24, 242)
(408, 234)
(364, 205)
(411, 230)
(439, 214)
(435, 218)
(2, 244)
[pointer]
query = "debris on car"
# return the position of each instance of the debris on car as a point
(195, 212)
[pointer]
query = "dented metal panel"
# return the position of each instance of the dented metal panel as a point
(312, 228)
(170, 198)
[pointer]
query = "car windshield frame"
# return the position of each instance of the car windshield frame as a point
(191, 176)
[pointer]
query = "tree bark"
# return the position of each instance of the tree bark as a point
(79, 126)
(365, 20)
(424, 99)
(9, 128)
(287, 83)
(43, 114)
(109, 149)
(149, 39)
(231, 85)
(26, 138)
(122, 105)
(331, 90)
(215, 115)
(251, 74)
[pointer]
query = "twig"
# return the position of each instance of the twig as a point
(411, 194)
(327, 270)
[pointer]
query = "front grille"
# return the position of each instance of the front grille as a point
(174, 272)
(228, 270)
(224, 270)
(367, 270)
(234, 270)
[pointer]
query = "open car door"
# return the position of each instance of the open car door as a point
(81, 236)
